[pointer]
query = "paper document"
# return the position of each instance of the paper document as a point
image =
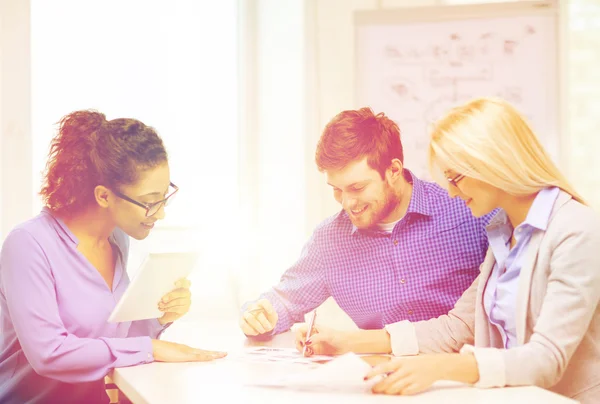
(272, 354)
(344, 374)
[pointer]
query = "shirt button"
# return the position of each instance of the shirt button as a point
(149, 357)
(402, 280)
(410, 312)
(395, 242)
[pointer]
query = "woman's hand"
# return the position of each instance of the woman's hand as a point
(412, 375)
(322, 341)
(165, 351)
(176, 303)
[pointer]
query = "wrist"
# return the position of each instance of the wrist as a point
(151, 354)
(460, 367)
(369, 342)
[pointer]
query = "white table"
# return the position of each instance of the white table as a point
(227, 380)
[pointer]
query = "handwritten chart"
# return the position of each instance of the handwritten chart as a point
(416, 71)
(289, 355)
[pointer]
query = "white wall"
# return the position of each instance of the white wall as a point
(584, 97)
(15, 124)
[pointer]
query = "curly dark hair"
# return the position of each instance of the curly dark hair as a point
(89, 150)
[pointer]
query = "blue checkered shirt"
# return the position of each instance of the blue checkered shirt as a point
(415, 273)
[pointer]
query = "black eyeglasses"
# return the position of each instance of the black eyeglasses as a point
(151, 208)
(454, 181)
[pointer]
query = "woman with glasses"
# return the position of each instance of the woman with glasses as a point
(62, 272)
(532, 315)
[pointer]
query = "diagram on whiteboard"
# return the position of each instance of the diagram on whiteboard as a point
(416, 72)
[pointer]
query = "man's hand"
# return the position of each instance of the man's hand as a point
(259, 318)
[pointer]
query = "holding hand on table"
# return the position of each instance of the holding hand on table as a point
(176, 303)
(259, 318)
(322, 341)
(165, 351)
(412, 375)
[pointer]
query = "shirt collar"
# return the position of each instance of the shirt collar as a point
(419, 203)
(66, 234)
(61, 227)
(539, 212)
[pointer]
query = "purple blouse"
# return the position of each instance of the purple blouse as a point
(55, 341)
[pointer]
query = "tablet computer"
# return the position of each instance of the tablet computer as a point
(156, 277)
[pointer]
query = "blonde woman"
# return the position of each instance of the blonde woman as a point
(532, 316)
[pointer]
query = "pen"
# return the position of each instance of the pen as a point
(311, 324)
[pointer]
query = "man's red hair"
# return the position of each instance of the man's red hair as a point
(355, 134)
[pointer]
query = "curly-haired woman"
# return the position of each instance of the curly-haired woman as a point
(62, 272)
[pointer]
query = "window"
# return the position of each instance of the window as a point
(173, 65)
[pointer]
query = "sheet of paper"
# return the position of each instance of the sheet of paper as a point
(272, 354)
(344, 374)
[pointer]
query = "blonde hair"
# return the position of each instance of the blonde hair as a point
(489, 140)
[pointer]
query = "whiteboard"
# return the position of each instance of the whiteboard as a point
(414, 64)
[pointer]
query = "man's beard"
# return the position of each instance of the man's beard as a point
(391, 201)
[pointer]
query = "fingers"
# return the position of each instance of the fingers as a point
(268, 327)
(165, 351)
(299, 337)
(259, 318)
(385, 383)
(411, 388)
(383, 369)
(311, 346)
(180, 293)
(265, 304)
(253, 322)
(314, 331)
(396, 388)
(316, 345)
(181, 301)
(180, 306)
(203, 356)
(396, 379)
(246, 328)
(395, 383)
(317, 338)
(303, 330)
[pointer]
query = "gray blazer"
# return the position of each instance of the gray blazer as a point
(557, 311)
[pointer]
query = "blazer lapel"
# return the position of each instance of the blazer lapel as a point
(525, 284)
(482, 331)
(485, 270)
(526, 275)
